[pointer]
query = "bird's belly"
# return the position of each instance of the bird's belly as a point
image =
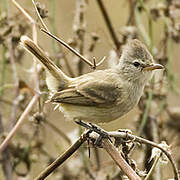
(94, 114)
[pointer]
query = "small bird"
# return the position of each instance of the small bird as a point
(100, 96)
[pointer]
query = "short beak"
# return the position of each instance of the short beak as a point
(152, 67)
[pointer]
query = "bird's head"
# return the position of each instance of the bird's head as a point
(137, 63)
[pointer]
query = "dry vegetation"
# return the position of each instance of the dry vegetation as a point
(26, 150)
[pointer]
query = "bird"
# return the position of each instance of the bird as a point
(100, 96)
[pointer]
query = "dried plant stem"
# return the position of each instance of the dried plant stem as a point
(63, 157)
(145, 141)
(79, 28)
(46, 28)
(6, 157)
(34, 34)
(16, 83)
(109, 24)
(19, 122)
(152, 168)
(36, 74)
(3, 72)
(141, 28)
(42, 22)
(72, 50)
(146, 112)
(24, 12)
(120, 161)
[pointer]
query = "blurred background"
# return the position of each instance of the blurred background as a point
(45, 133)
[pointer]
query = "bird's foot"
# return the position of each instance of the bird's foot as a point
(92, 127)
(127, 131)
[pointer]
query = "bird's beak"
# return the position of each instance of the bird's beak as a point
(151, 67)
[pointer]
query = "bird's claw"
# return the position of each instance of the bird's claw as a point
(92, 127)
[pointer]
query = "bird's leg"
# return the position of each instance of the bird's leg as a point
(92, 127)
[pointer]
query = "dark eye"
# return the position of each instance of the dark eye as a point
(136, 64)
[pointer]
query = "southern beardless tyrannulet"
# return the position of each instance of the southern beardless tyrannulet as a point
(102, 95)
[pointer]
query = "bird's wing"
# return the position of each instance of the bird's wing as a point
(88, 93)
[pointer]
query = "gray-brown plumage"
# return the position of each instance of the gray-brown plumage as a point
(103, 95)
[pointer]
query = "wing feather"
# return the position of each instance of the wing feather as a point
(90, 92)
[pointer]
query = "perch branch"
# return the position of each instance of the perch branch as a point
(145, 141)
(63, 157)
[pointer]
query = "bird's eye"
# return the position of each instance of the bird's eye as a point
(136, 64)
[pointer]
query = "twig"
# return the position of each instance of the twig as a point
(153, 167)
(63, 157)
(153, 125)
(16, 82)
(145, 141)
(24, 12)
(53, 24)
(46, 28)
(3, 71)
(140, 27)
(19, 122)
(6, 157)
(39, 16)
(79, 29)
(109, 25)
(131, 18)
(97, 158)
(71, 49)
(146, 112)
(120, 161)
(110, 148)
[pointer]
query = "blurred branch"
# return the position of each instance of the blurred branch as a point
(6, 157)
(146, 112)
(46, 28)
(24, 12)
(19, 122)
(109, 25)
(79, 27)
(16, 84)
(140, 27)
(3, 72)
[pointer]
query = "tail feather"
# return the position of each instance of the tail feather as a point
(56, 79)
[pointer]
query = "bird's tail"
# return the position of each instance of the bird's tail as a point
(56, 79)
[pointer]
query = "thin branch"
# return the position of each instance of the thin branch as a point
(146, 113)
(16, 83)
(145, 141)
(109, 24)
(63, 157)
(71, 49)
(19, 122)
(36, 74)
(34, 34)
(46, 28)
(39, 16)
(153, 167)
(79, 27)
(6, 157)
(24, 12)
(120, 161)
